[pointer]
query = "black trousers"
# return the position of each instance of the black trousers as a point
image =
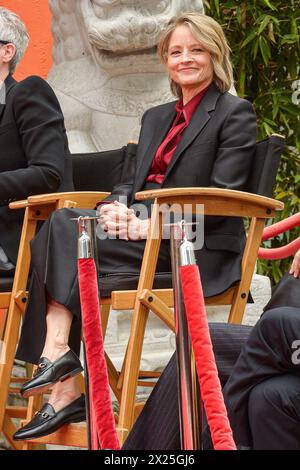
(262, 395)
(261, 369)
(54, 274)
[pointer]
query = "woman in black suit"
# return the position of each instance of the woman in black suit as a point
(33, 143)
(205, 138)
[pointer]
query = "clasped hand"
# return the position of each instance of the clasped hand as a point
(121, 222)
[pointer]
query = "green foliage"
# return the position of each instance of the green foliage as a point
(265, 43)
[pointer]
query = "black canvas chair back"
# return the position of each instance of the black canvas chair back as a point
(266, 162)
(101, 171)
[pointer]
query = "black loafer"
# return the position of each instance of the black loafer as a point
(48, 373)
(47, 420)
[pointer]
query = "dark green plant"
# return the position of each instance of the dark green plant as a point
(265, 43)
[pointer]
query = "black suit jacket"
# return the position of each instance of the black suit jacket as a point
(34, 154)
(216, 149)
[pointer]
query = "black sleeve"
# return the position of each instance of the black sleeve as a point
(40, 124)
(236, 148)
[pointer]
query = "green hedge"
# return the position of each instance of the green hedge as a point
(264, 39)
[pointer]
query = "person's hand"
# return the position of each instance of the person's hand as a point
(137, 228)
(295, 268)
(120, 222)
(113, 219)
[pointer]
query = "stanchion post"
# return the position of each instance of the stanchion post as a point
(190, 411)
(86, 249)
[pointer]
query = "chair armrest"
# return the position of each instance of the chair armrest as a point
(19, 204)
(216, 201)
(82, 199)
(76, 196)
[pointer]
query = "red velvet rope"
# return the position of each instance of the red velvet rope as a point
(102, 418)
(281, 252)
(282, 226)
(211, 392)
(277, 229)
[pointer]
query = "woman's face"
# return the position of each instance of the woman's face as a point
(189, 65)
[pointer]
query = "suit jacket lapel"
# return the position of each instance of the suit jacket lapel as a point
(9, 82)
(2, 107)
(199, 119)
(163, 124)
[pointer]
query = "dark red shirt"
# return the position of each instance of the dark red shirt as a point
(167, 148)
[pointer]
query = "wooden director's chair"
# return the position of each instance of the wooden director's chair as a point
(160, 301)
(101, 170)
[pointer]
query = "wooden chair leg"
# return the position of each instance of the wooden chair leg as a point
(131, 374)
(122, 372)
(105, 309)
(249, 259)
(3, 318)
(10, 341)
(29, 369)
(138, 325)
(15, 312)
(8, 430)
(80, 383)
(113, 376)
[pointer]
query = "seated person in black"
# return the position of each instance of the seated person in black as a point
(260, 368)
(34, 154)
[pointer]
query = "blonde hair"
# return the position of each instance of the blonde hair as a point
(13, 30)
(211, 36)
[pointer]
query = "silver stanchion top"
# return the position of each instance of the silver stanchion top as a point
(186, 247)
(85, 244)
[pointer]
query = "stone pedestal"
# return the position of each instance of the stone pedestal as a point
(106, 72)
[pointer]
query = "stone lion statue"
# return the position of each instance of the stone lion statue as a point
(105, 68)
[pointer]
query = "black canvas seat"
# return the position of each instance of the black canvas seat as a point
(128, 281)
